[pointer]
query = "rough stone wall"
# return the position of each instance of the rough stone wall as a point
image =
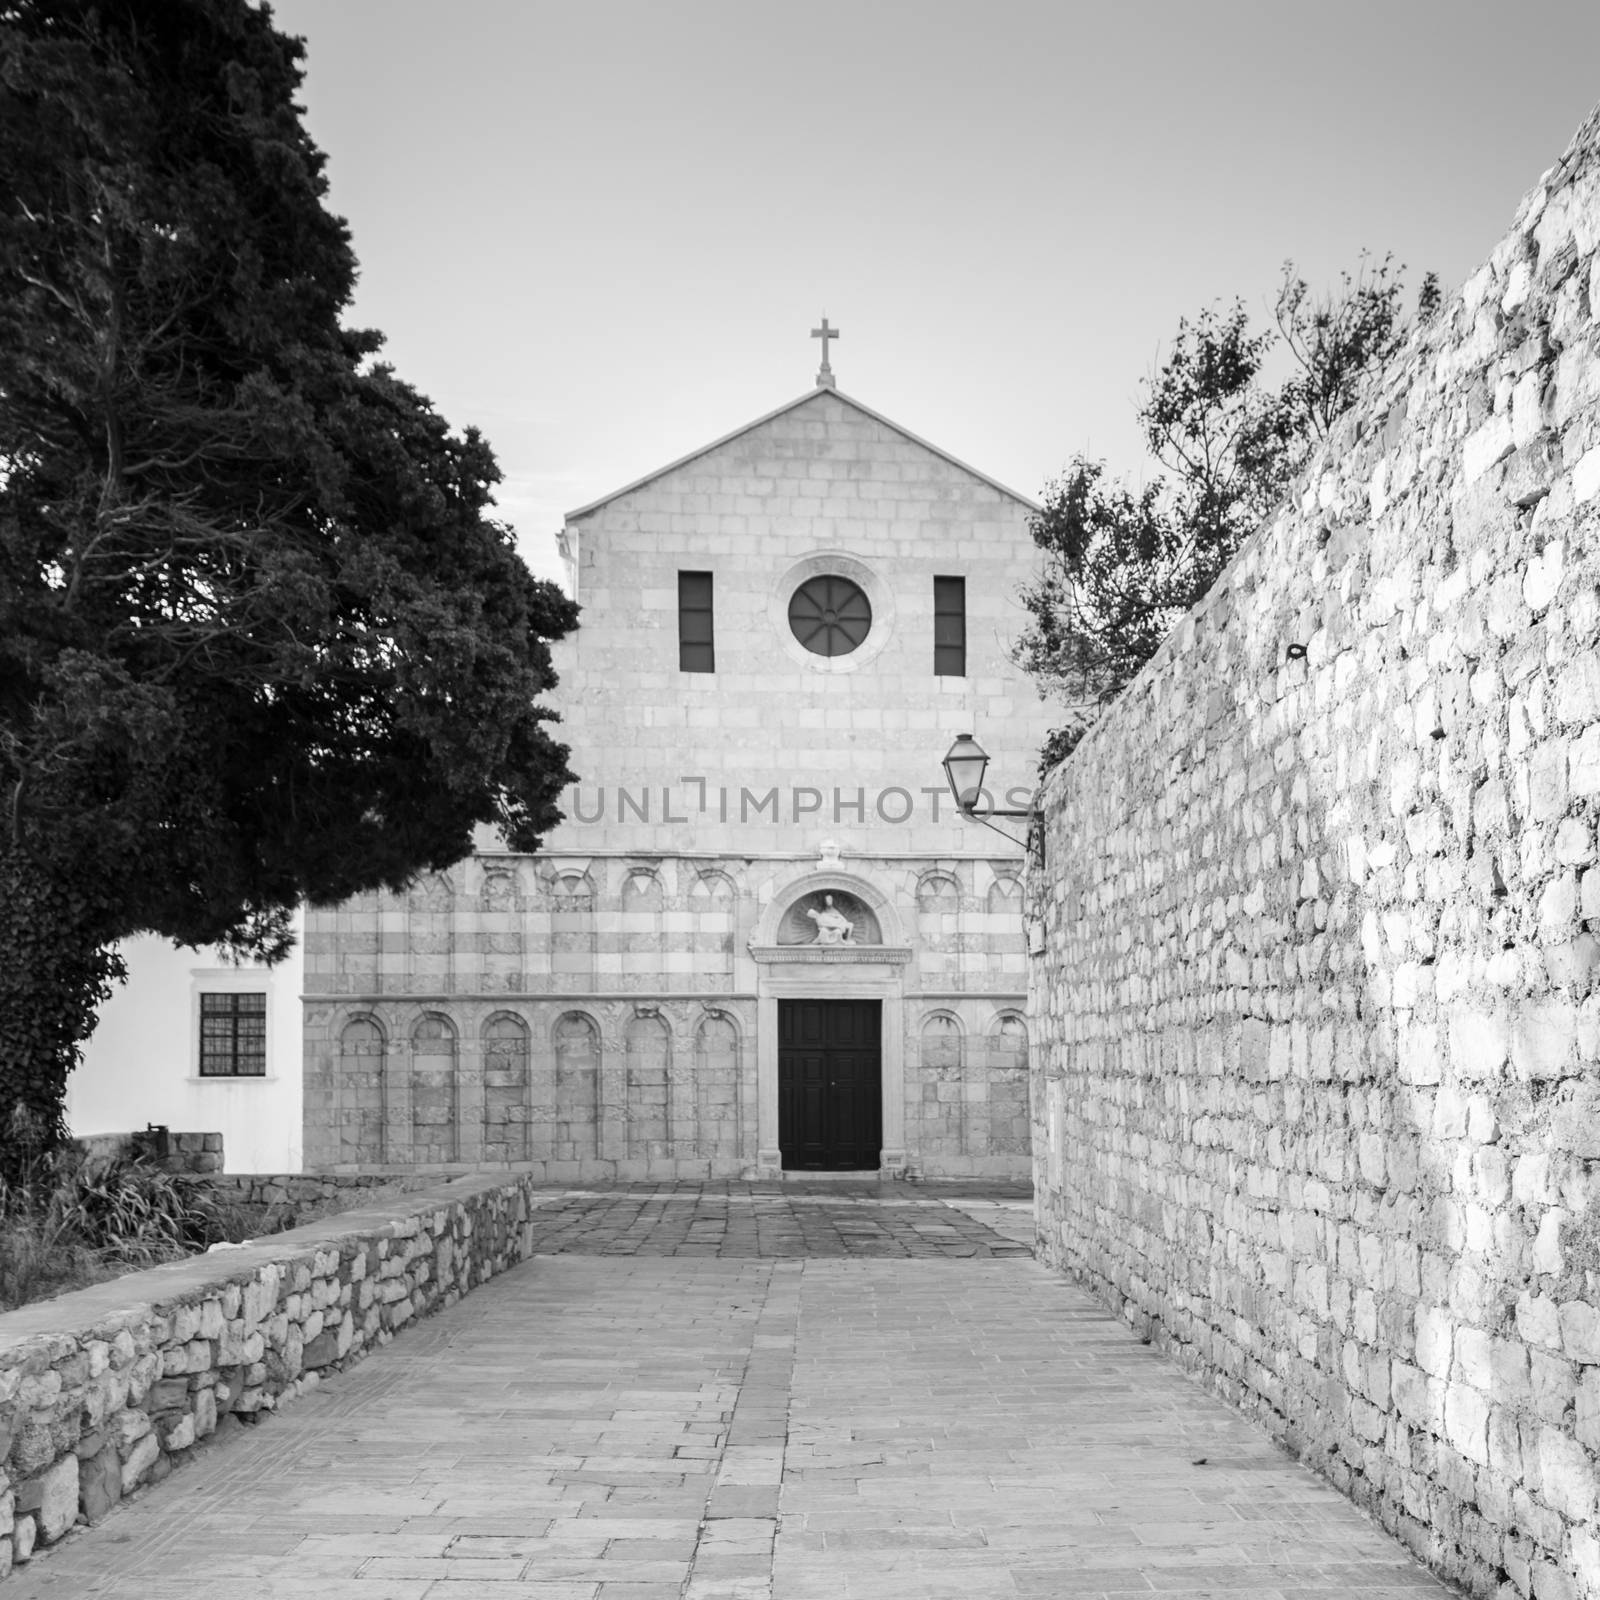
(272, 1202)
(108, 1389)
(183, 1152)
(1318, 1082)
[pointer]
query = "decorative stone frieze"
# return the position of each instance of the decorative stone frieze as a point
(889, 954)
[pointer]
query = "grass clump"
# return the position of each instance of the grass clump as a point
(73, 1221)
(36, 1260)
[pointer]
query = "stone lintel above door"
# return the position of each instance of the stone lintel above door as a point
(831, 954)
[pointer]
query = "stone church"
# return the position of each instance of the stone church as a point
(763, 940)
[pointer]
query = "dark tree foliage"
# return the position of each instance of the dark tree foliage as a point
(261, 640)
(1124, 564)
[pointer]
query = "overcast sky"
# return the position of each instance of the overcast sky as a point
(602, 230)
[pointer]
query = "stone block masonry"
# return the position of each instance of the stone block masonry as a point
(193, 1153)
(108, 1389)
(598, 1018)
(611, 1008)
(1317, 1078)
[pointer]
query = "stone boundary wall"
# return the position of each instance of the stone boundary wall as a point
(194, 1153)
(108, 1388)
(1317, 1098)
(309, 1195)
(316, 1188)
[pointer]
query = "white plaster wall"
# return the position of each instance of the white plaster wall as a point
(141, 1065)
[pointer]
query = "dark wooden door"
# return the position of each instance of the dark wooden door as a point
(830, 1098)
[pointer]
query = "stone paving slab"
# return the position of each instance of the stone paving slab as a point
(600, 1424)
(774, 1220)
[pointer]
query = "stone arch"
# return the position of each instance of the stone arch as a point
(942, 1081)
(505, 1041)
(639, 936)
(575, 1044)
(360, 1091)
(647, 1048)
(1005, 895)
(499, 889)
(1010, 1132)
(938, 903)
(798, 926)
(641, 891)
(433, 891)
(572, 929)
(714, 900)
(938, 923)
(430, 937)
(1010, 1023)
(572, 891)
(797, 889)
(435, 1087)
(499, 927)
(713, 886)
(719, 1089)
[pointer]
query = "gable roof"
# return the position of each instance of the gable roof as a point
(794, 405)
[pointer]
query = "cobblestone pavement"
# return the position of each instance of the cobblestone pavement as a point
(862, 1421)
(787, 1219)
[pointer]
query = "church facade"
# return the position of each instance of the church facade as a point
(762, 941)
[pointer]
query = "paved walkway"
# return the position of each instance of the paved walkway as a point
(849, 1418)
(783, 1219)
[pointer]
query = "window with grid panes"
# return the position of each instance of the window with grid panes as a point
(950, 627)
(696, 632)
(233, 1035)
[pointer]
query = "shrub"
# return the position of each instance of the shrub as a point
(72, 1221)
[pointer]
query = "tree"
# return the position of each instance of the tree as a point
(1123, 564)
(261, 640)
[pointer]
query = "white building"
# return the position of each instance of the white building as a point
(197, 1045)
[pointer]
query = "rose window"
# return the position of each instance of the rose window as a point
(830, 615)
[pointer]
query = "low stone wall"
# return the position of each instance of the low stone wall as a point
(308, 1189)
(1317, 1096)
(107, 1389)
(272, 1202)
(198, 1153)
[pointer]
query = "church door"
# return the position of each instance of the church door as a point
(830, 1059)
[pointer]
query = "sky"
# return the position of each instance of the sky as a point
(602, 230)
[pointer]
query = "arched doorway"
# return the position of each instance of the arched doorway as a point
(830, 1074)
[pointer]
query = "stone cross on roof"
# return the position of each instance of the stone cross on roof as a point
(825, 372)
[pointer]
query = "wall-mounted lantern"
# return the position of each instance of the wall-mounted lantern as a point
(964, 767)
